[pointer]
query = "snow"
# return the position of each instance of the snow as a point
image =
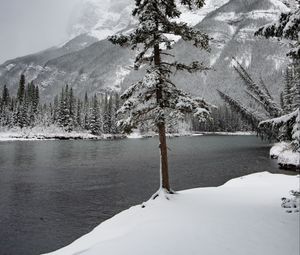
(119, 77)
(280, 5)
(279, 148)
(101, 18)
(281, 119)
(229, 133)
(10, 66)
(54, 132)
(244, 216)
(289, 158)
(49, 133)
(192, 18)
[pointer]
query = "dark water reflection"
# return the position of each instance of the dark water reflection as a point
(52, 192)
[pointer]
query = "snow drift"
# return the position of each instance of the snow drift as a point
(244, 216)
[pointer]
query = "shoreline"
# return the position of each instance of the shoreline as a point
(27, 135)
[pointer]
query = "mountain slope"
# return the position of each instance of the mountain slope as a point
(91, 64)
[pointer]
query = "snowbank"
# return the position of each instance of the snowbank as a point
(278, 148)
(244, 216)
(54, 132)
(287, 158)
(137, 135)
(229, 133)
(49, 133)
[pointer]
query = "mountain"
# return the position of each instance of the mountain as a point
(88, 62)
(232, 27)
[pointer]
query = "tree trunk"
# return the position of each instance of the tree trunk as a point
(164, 158)
(162, 131)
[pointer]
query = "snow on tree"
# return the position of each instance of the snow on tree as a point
(258, 92)
(251, 117)
(296, 133)
(21, 89)
(156, 98)
(289, 123)
(287, 27)
(107, 114)
(5, 96)
(287, 95)
(275, 122)
(95, 119)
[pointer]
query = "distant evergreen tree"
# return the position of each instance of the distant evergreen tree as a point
(63, 118)
(35, 98)
(55, 113)
(95, 120)
(296, 132)
(116, 106)
(21, 89)
(5, 96)
(79, 113)
(71, 110)
(250, 117)
(86, 119)
(107, 115)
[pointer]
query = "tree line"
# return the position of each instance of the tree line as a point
(95, 114)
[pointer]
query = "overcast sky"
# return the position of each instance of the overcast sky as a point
(27, 26)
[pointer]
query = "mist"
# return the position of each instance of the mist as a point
(32, 25)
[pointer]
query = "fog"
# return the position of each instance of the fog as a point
(28, 26)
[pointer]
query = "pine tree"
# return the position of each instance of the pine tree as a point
(296, 133)
(79, 113)
(287, 91)
(71, 110)
(21, 89)
(95, 120)
(5, 96)
(86, 118)
(35, 98)
(116, 106)
(55, 113)
(296, 85)
(63, 109)
(258, 92)
(156, 97)
(287, 28)
(252, 118)
(107, 115)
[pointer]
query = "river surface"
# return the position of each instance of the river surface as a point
(53, 192)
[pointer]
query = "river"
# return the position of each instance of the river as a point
(52, 192)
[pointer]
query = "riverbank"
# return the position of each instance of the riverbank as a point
(51, 133)
(286, 157)
(244, 216)
(57, 133)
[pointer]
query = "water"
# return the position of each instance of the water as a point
(52, 192)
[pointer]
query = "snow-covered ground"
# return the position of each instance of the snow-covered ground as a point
(229, 133)
(242, 217)
(138, 135)
(49, 133)
(54, 132)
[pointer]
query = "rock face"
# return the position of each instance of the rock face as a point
(88, 62)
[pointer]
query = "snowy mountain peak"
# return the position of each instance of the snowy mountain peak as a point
(100, 18)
